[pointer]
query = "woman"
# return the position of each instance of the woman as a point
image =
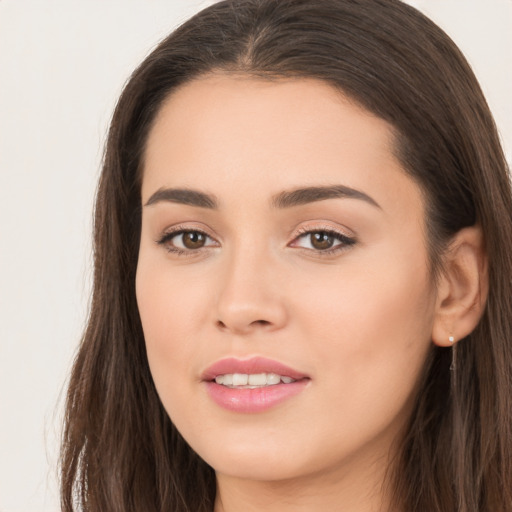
(303, 281)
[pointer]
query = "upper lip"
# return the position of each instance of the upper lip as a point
(253, 365)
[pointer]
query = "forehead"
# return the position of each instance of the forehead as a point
(226, 133)
(259, 110)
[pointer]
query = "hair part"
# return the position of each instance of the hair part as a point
(120, 450)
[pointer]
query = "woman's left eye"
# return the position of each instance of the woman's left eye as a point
(323, 241)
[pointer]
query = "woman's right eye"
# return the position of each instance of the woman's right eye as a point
(186, 241)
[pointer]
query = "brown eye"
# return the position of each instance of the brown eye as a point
(321, 240)
(193, 239)
(183, 241)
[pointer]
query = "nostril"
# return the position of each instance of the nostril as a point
(256, 323)
(261, 322)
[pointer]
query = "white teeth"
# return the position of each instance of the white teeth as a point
(257, 379)
(254, 380)
(240, 379)
(272, 378)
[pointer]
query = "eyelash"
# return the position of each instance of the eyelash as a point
(345, 241)
(180, 230)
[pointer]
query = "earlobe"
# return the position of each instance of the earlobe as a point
(462, 287)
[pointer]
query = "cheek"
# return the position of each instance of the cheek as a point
(384, 294)
(370, 335)
(169, 299)
(170, 312)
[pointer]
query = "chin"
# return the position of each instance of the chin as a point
(257, 460)
(259, 469)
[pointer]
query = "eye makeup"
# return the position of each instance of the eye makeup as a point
(324, 240)
(319, 240)
(186, 241)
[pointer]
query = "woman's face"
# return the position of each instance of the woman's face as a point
(283, 255)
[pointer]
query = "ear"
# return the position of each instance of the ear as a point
(462, 287)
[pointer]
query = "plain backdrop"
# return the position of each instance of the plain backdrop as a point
(62, 66)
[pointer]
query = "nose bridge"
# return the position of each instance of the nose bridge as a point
(249, 297)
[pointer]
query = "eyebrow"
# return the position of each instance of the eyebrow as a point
(306, 195)
(183, 196)
(285, 199)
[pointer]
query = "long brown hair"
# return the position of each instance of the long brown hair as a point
(120, 450)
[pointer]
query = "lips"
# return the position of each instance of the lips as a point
(254, 365)
(239, 386)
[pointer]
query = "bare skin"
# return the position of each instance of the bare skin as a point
(336, 286)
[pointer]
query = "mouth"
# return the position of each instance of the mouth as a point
(252, 385)
(252, 381)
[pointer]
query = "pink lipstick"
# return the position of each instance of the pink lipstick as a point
(252, 385)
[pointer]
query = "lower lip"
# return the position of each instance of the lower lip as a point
(245, 400)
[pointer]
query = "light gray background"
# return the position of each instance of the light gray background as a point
(62, 66)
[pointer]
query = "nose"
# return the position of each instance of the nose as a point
(251, 296)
